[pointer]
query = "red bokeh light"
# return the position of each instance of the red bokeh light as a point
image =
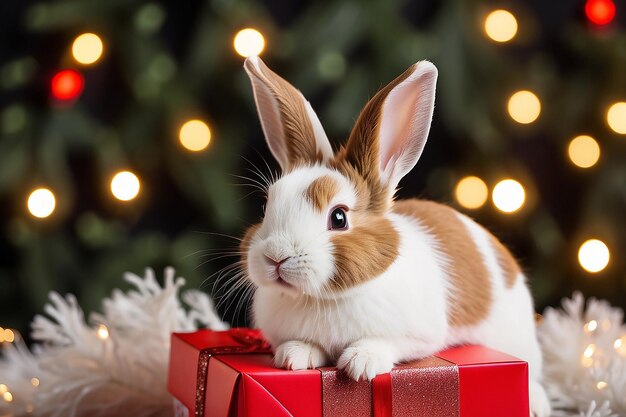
(600, 12)
(67, 85)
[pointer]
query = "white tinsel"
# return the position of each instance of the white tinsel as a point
(83, 372)
(585, 358)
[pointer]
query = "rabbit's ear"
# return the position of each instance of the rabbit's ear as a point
(292, 130)
(391, 131)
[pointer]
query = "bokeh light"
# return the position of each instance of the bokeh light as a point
(195, 135)
(102, 332)
(9, 335)
(600, 12)
(249, 42)
(620, 345)
(589, 350)
(125, 185)
(7, 397)
(67, 85)
(616, 117)
(41, 203)
(583, 151)
(501, 25)
(87, 48)
(524, 107)
(593, 255)
(471, 192)
(508, 196)
(590, 326)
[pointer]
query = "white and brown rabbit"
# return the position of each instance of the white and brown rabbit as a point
(345, 275)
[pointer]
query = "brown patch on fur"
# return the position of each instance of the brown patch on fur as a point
(364, 251)
(470, 284)
(508, 265)
(299, 136)
(363, 188)
(244, 245)
(321, 191)
(362, 150)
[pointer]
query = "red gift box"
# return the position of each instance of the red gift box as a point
(230, 374)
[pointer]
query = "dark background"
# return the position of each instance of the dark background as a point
(167, 62)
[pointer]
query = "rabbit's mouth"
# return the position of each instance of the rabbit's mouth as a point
(283, 283)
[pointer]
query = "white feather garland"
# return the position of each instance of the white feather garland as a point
(585, 358)
(116, 364)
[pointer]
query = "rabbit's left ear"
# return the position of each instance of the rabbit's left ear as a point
(291, 127)
(391, 131)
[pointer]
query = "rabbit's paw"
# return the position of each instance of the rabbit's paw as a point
(299, 355)
(366, 358)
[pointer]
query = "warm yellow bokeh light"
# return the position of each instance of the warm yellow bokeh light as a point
(471, 192)
(41, 203)
(524, 107)
(4, 388)
(620, 345)
(590, 326)
(195, 135)
(601, 385)
(501, 25)
(583, 151)
(34, 382)
(249, 42)
(616, 117)
(589, 350)
(508, 196)
(7, 396)
(125, 186)
(87, 48)
(102, 332)
(593, 255)
(9, 335)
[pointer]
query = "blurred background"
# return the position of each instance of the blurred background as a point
(125, 127)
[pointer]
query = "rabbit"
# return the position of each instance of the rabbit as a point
(345, 275)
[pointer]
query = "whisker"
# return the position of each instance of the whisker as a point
(208, 261)
(244, 299)
(253, 181)
(229, 287)
(256, 188)
(224, 269)
(260, 175)
(227, 252)
(219, 255)
(229, 294)
(239, 285)
(218, 234)
(273, 174)
(249, 194)
(234, 269)
(231, 249)
(249, 311)
(258, 171)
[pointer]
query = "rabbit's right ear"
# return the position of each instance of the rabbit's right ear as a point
(292, 130)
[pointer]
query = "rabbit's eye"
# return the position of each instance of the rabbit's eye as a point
(338, 219)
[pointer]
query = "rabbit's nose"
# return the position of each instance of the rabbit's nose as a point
(276, 264)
